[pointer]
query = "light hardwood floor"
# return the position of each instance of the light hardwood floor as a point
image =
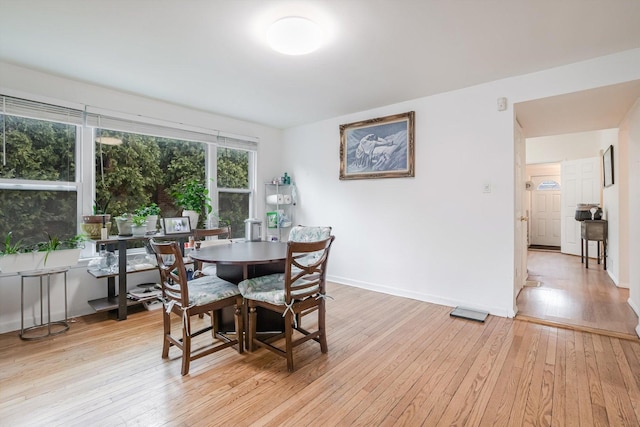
(391, 361)
(570, 294)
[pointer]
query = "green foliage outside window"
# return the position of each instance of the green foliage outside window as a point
(141, 171)
(40, 151)
(162, 167)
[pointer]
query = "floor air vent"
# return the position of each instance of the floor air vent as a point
(467, 313)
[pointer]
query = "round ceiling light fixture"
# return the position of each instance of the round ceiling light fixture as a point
(294, 35)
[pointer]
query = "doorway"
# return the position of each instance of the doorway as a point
(559, 290)
(545, 205)
(552, 273)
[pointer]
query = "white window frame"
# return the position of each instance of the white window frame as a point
(87, 119)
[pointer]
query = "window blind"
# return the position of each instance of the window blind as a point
(157, 128)
(38, 110)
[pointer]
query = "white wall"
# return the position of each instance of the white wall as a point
(571, 146)
(630, 140)
(22, 82)
(611, 211)
(436, 237)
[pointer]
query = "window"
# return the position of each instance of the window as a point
(38, 190)
(548, 185)
(43, 189)
(145, 169)
(233, 185)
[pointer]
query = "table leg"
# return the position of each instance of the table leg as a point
(598, 245)
(245, 310)
(582, 250)
(122, 280)
(586, 254)
(48, 304)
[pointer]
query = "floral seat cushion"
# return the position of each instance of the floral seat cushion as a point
(209, 289)
(308, 234)
(266, 288)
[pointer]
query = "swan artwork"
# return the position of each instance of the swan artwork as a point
(366, 156)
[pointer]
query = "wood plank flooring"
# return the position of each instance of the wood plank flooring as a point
(570, 294)
(391, 361)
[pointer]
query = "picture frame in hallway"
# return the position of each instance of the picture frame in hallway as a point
(607, 167)
(383, 147)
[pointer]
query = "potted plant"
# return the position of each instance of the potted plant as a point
(193, 198)
(138, 225)
(124, 223)
(92, 224)
(52, 253)
(151, 212)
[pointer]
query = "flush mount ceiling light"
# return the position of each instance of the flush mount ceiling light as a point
(294, 35)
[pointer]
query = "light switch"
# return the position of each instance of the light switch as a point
(486, 188)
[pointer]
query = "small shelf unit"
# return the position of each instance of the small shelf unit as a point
(279, 210)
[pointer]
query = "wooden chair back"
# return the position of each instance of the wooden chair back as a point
(220, 232)
(173, 273)
(306, 268)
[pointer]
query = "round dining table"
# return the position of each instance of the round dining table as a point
(238, 261)
(243, 260)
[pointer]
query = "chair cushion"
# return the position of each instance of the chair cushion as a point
(209, 289)
(265, 288)
(309, 234)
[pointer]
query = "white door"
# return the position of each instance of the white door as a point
(580, 184)
(520, 224)
(545, 215)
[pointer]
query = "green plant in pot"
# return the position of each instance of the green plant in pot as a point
(151, 212)
(124, 223)
(11, 248)
(52, 253)
(193, 198)
(92, 224)
(138, 225)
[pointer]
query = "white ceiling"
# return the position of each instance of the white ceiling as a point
(210, 55)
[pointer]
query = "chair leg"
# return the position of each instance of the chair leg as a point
(166, 321)
(215, 324)
(239, 325)
(186, 344)
(323, 332)
(288, 336)
(252, 325)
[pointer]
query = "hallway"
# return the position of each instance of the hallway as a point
(570, 294)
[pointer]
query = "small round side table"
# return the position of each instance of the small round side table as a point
(60, 326)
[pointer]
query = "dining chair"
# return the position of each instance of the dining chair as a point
(185, 299)
(204, 236)
(302, 233)
(298, 290)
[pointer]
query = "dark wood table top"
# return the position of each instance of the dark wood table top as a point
(242, 253)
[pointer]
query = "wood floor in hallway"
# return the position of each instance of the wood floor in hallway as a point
(572, 295)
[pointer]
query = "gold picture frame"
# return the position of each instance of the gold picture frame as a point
(383, 147)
